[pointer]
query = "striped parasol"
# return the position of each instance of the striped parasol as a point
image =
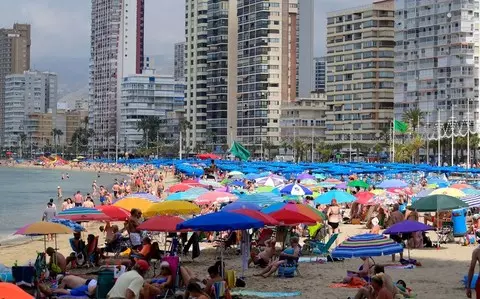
(83, 214)
(366, 245)
(472, 200)
(141, 195)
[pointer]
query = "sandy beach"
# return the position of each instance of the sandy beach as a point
(438, 277)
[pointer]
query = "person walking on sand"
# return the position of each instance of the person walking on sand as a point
(78, 198)
(49, 213)
(473, 263)
(59, 193)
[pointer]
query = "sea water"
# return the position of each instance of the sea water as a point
(24, 193)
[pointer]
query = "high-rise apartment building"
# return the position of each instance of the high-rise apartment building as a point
(360, 72)
(267, 67)
(306, 40)
(117, 33)
(196, 92)
(145, 95)
(221, 71)
(179, 61)
(437, 60)
(14, 59)
(26, 94)
(320, 67)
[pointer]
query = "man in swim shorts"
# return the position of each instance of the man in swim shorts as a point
(72, 285)
(473, 263)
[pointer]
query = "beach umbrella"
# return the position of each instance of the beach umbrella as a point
(296, 189)
(182, 196)
(220, 221)
(448, 191)
(237, 183)
(334, 181)
(436, 202)
(366, 245)
(407, 226)
(394, 183)
(292, 213)
(305, 176)
(342, 185)
(263, 189)
(423, 193)
(141, 195)
(358, 183)
(215, 197)
(83, 214)
(386, 198)
(271, 181)
(471, 192)
(340, 196)
(172, 208)
(241, 205)
(266, 219)
(181, 187)
(208, 156)
(236, 174)
(208, 183)
(472, 200)
(364, 197)
(406, 191)
(43, 228)
(162, 223)
(326, 185)
(462, 186)
(69, 223)
(378, 191)
(133, 203)
(309, 182)
(12, 291)
(261, 199)
(114, 212)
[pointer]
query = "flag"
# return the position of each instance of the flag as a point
(400, 126)
(239, 151)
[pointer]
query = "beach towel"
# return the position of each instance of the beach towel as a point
(400, 267)
(265, 294)
(312, 259)
(355, 283)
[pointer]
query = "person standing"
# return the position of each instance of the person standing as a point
(49, 213)
(473, 263)
(78, 198)
(334, 217)
(395, 217)
(59, 194)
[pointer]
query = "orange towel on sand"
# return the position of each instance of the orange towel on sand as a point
(355, 283)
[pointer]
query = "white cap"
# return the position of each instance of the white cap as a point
(164, 264)
(58, 187)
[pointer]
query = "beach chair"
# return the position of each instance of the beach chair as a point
(265, 235)
(92, 252)
(445, 233)
(174, 262)
(323, 249)
(224, 244)
(78, 252)
(220, 290)
(25, 278)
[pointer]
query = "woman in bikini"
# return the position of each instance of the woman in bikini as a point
(334, 216)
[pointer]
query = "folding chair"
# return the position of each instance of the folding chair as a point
(174, 262)
(445, 233)
(25, 278)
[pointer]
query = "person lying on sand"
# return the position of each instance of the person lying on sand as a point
(288, 256)
(72, 285)
(263, 258)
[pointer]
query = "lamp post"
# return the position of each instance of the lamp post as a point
(468, 133)
(261, 142)
(312, 142)
(350, 150)
(439, 162)
(453, 137)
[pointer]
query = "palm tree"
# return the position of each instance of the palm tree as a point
(386, 135)
(23, 139)
(149, 126)
(414, 117)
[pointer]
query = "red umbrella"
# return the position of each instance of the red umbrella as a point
(208, 156)
(161, 224)
(267, 219)
(114, 212)
(400, 191)
(182, 187)
(364, 197)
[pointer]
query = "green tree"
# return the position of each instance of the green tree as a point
(149, 126)
(414, 117)
(325, 151)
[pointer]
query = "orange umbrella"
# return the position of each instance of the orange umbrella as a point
(462, 186)
(12, 291)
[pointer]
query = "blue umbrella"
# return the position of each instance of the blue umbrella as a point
(69, 223)
(392, 184)
(220, 221)
(241, 205)
(261, 199)
(296, 189)
(340, 196)
(366, 245)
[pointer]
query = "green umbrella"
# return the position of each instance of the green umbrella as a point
(439, 202)
(360, 184)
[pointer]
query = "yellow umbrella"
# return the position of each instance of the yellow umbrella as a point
(44, 228)
(448, 191)
(174, 207)
(137, 203)
(377, 191)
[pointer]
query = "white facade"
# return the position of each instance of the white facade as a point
(27, 93)
(306, 40)
(145, 95)
(437, 60)
(116, 51)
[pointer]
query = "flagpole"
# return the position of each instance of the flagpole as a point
(393, 140)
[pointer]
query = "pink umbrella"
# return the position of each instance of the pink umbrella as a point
(215, 197)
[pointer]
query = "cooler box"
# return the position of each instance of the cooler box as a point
(459, 219)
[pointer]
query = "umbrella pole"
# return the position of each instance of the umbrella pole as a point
(44, 243)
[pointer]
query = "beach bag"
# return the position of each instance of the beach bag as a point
(231, 278)
(287, 271)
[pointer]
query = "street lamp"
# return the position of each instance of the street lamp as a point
(453, 137)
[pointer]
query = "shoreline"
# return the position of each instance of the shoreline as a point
(24, 165)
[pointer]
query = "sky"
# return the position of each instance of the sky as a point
(61, 28)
